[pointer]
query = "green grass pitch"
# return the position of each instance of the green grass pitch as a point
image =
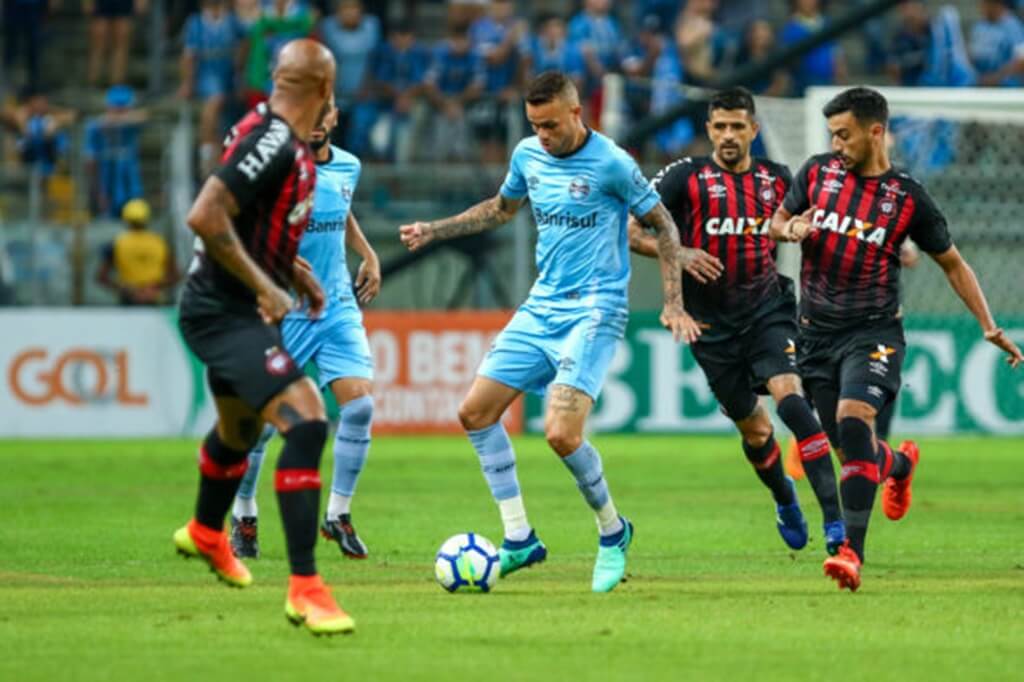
(90, 587)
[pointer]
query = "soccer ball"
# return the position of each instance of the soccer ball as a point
(467, 562)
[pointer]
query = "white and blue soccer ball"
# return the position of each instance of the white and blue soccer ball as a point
(467, 562)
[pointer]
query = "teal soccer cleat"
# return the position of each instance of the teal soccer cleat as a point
(610, 567)
(516, 554)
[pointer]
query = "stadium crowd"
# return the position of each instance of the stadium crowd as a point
(393, 81)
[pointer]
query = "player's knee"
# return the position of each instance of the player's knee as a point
(783, 386)
(563, 440)
(757, 433)
(356, 418)
(474, 417)
(855, 409)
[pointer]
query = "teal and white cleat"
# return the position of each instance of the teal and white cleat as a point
(516, 554)
(610, 567)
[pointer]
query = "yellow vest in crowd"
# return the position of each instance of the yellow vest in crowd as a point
(140, 258)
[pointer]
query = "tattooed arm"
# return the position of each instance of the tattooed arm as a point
(673, 317)
(486, 215)
(210, 218)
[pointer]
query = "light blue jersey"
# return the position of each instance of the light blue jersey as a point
(336, 341)
(581, 204)
(323, 243)
(567, 330)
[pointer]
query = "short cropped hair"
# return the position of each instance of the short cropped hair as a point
(732, 99)
(549, 86)
(866, 105)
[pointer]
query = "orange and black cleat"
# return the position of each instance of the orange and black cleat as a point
(844, 568)
(896, 493)
(310, 603)
(213, 547)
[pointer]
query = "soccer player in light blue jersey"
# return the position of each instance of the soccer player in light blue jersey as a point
(336, 342)
(582, 187)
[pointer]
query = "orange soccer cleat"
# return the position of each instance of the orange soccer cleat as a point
(310, 603)
(793, 465)
(844, 568)
(896, 493)
(214, 547)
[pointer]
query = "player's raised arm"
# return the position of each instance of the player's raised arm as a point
(368, 276)
(486, 215)
(961, 277)
(210, 218)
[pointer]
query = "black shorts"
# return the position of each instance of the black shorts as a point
(244, 357)
(739, 367)
(860, 363)
(114, 9)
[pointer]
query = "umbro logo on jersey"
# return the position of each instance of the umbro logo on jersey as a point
(832, 185)
(579, 188)
(717, 191)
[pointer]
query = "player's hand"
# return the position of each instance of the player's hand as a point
(999, 338)
(308, 287)
(368, 280)
(799, 226)
(683, 327)
(700, 264)
(415, 236)
(274, 303)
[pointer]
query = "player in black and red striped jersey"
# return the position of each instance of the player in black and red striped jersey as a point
(852, 211)
(723, 205)
(249, 218)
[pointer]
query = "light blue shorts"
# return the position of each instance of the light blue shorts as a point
(540, 347)
(336, 343)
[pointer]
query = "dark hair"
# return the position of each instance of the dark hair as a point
(547, 86)
(866, 105)
(732, 99)
(543, 18)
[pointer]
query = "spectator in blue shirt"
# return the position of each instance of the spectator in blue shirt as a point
(213, 40)
(550, 50)
(112, 152)
(352, 36)
(400, 68)
(666, 92)
(997, 45)
(42, 140)
(908, 52)
(455, 80)
(601, 41)
(825, 65)
(496, 37)
(638, 65)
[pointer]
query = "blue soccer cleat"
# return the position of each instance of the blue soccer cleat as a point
(516, 554)
(835, 536)
(610, 567)
(790, 521)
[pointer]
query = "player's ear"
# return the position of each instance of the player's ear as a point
(755, 128)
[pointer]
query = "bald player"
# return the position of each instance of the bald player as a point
(249, 218)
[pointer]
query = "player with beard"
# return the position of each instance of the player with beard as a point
(723, 204)
(851, 211)
(336, 342)
(249, 218)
